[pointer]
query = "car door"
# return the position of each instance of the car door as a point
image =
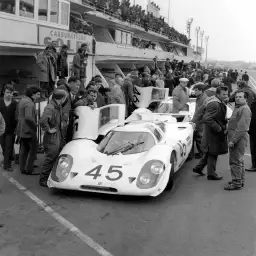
(90, 123)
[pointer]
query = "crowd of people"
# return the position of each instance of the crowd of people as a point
(212, 87)
(136, 15)
(80, 25)
(214, 134)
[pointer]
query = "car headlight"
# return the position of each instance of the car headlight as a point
(157, 168)
(150, 174)
(145, 179)
(62, 168)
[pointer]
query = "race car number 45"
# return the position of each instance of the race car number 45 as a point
(114, 173)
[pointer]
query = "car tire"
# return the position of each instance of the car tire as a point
(171, 177)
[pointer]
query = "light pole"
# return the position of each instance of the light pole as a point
(189, 23)
(197, 33)
(206, 51)
(169, 9)
(202, 39)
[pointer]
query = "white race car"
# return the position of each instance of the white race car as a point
(138, 158)
(162, 111)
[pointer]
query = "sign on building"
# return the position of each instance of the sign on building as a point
(72, 40)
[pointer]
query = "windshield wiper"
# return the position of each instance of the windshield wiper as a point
(128, 144)
(125, 148)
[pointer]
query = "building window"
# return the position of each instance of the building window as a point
(64, 13)
(42, 10)
(118, 36)
(123, 37)
(8, 7)
(54, 11)
(27, 8)
(129, 38)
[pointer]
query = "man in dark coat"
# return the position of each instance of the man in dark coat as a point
(8, 111)
(27, 130)
(245, 77)
(62, 65)
(215, 138)
(252, 134)
(51, 125)
(47, 75)
(71, 89)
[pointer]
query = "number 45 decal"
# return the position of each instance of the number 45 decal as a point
(113, 169)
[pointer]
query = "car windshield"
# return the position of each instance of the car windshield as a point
(161, 107)
(164, 107)
(117, 142)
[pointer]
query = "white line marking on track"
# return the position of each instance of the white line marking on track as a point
(86, 239)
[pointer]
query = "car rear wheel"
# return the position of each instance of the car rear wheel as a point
(171, 177)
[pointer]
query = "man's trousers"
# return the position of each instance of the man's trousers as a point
(7, 143)
(236, 161)
(28, 153)
(209, 160)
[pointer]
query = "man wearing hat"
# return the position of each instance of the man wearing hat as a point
(180, 96)
(51, 124)
(198, 116)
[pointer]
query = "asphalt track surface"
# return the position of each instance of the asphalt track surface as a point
(197, 218)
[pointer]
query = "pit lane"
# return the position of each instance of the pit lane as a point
(198, 218)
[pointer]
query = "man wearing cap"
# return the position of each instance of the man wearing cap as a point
(212, 90)
(181, 96)
(117, 95)
(51, 123)
(198, 118)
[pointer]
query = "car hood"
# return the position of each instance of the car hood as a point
(85, 151)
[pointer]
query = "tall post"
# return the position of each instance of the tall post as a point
(169, 9)
(206, 51)
(189, 23)
(202, 39)
(197, 34)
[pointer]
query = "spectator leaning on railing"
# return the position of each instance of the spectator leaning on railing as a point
(135, 15)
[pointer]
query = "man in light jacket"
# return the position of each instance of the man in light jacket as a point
(181, 96)
(238, 138)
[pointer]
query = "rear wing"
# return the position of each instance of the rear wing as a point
(143, 96)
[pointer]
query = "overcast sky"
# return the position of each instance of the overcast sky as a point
(230, 24)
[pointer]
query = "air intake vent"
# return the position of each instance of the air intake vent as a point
(100, 189)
